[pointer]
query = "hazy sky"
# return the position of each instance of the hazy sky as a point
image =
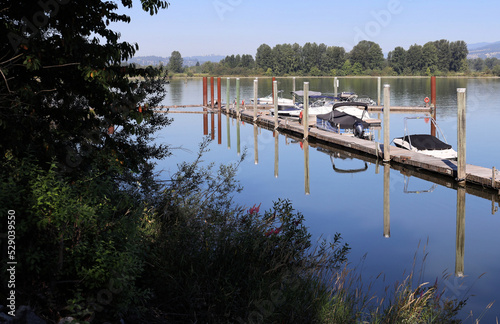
(225, 27)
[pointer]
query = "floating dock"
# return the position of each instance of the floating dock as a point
(481, 176)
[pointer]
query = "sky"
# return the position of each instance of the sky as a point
(226, 27)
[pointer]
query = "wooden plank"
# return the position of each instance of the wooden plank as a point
(474, 174)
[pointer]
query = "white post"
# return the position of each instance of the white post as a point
(305, 117)
(387, 118)
(275, 100)
(335, 86)
(379, 82)
(255, 90)
(461, 161)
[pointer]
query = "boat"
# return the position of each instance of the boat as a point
(346, 121)
(268, 100)
(424, 143)
(291, 109)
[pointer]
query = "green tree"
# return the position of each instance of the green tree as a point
(397, 59)
(430, 57)
(346, 68)
(368, 54)
(263, 57)
(443, 55)
(76, 150)
(334, 58)
(175, 62)
(415, 59)
(459, 53)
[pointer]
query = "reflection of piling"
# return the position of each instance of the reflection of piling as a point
(228, 133)
(212, 128)
(205, 122)
(238, 149)
(306, 167)
(256, 143)
(387, 118)
(276, 153)
(387, 200)
(219, 125)
(460, 236)
(461, 160)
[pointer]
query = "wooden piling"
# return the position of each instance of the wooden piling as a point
(335, 86)
(293, 91)
(274, 92)
(461, 136)
(433, 103)
(219, 92)
(387, 118)
(237, 96)
(212, 97)
(379, 83)
(275, 103)
(205, 101)
(255, 95)
(228, 83)
(305, 116)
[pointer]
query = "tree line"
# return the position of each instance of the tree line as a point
(441, 57)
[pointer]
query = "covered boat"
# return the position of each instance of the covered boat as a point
(425, 143)
(343, 123)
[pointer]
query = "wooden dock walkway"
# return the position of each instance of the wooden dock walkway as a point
(481, 176)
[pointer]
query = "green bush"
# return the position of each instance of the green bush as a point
(78, 244)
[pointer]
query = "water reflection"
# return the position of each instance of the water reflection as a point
(460, 236)
(276, 153)
(256, 143)
(387, 200)
(305, 146)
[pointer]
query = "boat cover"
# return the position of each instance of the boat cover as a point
(342, 119)
(311, 93)
(425, 142)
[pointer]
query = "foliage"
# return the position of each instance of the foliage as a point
(78, 241)
(63, 87)
(216, 262)
(175, 62)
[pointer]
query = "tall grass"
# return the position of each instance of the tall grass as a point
(211, 261)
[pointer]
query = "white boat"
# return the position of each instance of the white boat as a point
(268, 100)
(425, 143)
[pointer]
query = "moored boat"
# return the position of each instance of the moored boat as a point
(426, 144)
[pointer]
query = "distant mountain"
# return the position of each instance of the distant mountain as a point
(484, 50)
(189, 61)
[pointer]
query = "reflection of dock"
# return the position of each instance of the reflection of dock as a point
(474, 174)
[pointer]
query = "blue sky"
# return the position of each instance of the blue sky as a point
(225, 27)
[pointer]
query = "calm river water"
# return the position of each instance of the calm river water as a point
(421, 216)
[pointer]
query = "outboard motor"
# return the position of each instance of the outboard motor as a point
(358, 129)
